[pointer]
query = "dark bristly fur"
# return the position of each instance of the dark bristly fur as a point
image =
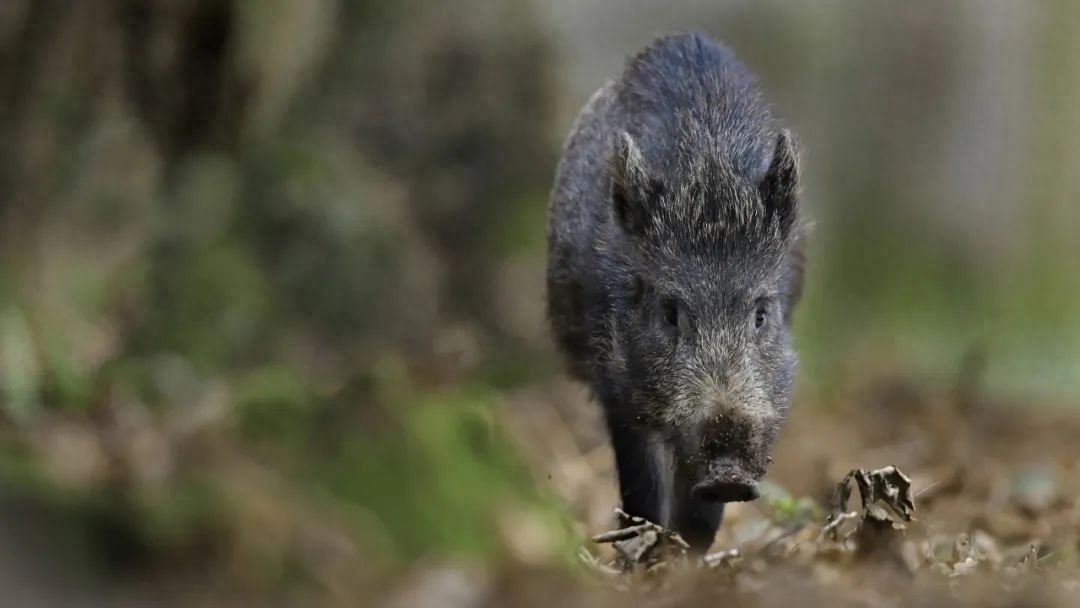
(675, 258)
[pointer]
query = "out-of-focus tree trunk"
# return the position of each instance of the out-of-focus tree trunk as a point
(182, 74)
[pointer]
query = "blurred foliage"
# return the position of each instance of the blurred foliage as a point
(220, 220)
(269, 270)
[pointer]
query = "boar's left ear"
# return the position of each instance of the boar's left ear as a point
(779, 187)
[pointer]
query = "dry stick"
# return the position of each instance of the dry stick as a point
(594, 564)
(623, 534)
(929, 487)
(679, 539)
(713, 560)
(835, 523)
(787, 532)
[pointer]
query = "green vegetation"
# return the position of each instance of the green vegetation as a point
(268, 267)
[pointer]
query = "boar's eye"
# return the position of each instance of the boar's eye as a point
(761, 315)
(669, 308)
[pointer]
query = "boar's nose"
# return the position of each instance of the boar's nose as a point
(727, 481)
(719, 490)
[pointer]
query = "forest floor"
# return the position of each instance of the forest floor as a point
(948, 497)
(951, 498)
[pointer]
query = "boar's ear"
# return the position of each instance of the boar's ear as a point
(793, 275)
(779, 187)
(629, 183)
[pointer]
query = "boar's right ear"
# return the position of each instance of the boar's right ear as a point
(629, 183)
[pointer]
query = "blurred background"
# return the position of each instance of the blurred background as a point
(271, 273)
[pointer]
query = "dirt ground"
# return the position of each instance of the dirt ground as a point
(994, 486)
(953, 498)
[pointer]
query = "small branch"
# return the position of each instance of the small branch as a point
(623, 534)
(831, 527)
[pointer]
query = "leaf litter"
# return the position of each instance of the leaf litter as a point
(899, 495)
(893, 494)
(876, 530)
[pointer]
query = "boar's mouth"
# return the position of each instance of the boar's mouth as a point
(727, 483)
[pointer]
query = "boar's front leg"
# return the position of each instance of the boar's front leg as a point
(641, 478)
(696, 520)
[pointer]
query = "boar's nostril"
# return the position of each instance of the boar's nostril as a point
(726, 491)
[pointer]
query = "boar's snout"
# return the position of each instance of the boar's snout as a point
(727, 491)
(727, 482)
